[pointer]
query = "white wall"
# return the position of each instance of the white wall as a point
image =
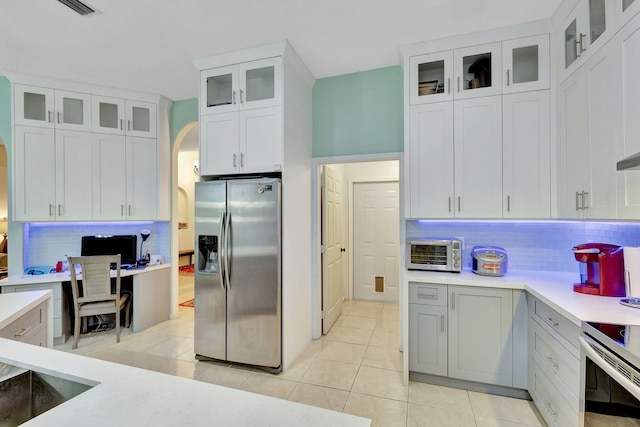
(186, 185)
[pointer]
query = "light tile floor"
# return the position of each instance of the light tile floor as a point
(356, 369)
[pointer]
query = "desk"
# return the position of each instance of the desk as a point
(151, 296)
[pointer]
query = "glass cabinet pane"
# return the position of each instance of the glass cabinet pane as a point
(477, 71)
(72, 111)
(260, 84)
(140, 119)
(525, 64)
(109, 115)
(431, 78)
(626, 4)
(35, 106)
(570, 39)
(597, 19)
(219, 90)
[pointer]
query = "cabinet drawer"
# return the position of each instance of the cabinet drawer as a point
(427, 293)
(560, 365)
(38, 337)
(556, 323)
(553, 408)
(56, 287)
(25, 326)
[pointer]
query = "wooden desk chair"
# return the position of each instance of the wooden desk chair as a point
(96, 291)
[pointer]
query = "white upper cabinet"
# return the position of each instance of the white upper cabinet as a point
(584, 31)
(477, 71)
(525, 64)
(430, 77)
(50, 108)
(124, 117)
(253, 84)
(624, 10)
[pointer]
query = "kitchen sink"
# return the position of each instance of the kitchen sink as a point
(25, 394)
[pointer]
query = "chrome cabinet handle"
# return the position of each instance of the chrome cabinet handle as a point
(128, 124)
(453, 300)
(449, 85)
(508, 203)
(52, 211)
(129, 210)
(551, 362)
(59, 210)
(507, 77)
(235, 156)
(458, 83)
(459, 203)
(553, 413)
(241, 160)
(580, 46)
(49, 116)
(584, 200)
(577, 204)
(121, 124)
(553, 322)
(24, 331)
(58, 114)
(241, 101)
(426, 296)
(234, 97)
(449, 204)
(121, 210)
(442, 320)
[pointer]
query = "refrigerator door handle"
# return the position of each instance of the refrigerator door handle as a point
(227, 232)
(221, 251)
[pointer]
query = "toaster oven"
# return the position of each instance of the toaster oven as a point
(434, 254)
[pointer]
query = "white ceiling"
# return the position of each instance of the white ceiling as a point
(149, 45)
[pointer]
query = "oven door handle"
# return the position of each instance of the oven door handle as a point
(586, 344)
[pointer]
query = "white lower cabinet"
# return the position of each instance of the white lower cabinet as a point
(30, 328)
(554, 365)
(461, 332)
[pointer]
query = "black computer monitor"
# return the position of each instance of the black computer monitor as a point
(125, 245)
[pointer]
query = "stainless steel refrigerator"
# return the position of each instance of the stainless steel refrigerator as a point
(238, 286)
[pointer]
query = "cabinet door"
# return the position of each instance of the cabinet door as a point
(428, 339)
(526, 163)
(260, 83)
(480, 342)
(34, 174)
(629, 181)
(624, 10)
(477, 71)
(604, 124)
(219, 152)
(525, 64)
(34, 106)
(430, 78)
(142, 179)
(261, 140)
(108, 115)
(478, 157)
(429, 157)
(109, 177)
(73, 111)
(141, 119)
(74, 174)
(219, 90)
(573, 152)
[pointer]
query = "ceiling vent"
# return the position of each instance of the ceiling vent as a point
(78, 6)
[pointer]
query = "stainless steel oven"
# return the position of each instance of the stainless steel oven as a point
(610, 375)
(434, 254)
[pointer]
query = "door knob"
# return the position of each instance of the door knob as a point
(342, 249)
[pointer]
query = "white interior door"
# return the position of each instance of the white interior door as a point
(375, 241)
(333, 280)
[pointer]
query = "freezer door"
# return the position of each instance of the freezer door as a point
(210, 296)
(254, 331)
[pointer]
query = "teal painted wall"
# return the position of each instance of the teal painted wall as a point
(5, 112)
(359, 113)
(182, 113)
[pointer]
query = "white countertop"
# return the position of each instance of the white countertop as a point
(14, 305)
(124, 395)
(28, 279)
(553, 288)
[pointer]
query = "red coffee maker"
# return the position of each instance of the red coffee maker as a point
(603, 270)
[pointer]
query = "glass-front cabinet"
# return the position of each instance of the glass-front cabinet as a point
(476, 71)
(430, 77)
(584, 31)
(525, 64)
(624, 10)
(45, 107)
(254, 84)
(123, 117)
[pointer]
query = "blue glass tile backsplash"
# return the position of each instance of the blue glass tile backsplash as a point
(530, 245)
